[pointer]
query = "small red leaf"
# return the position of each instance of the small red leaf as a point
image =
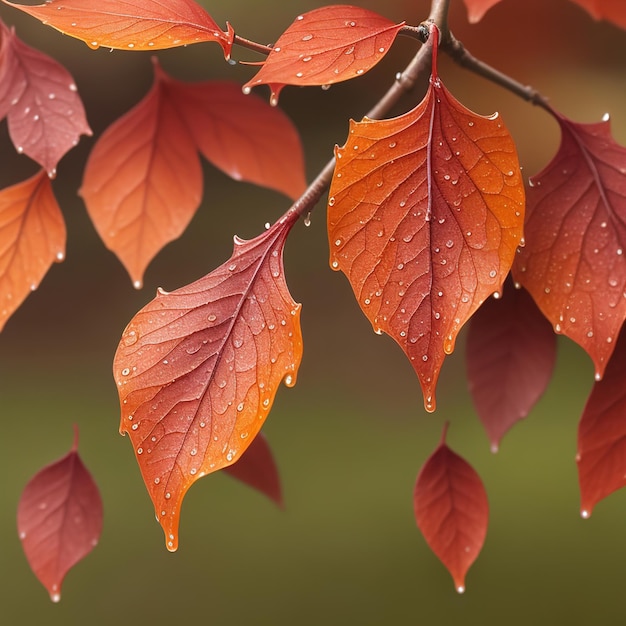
(197, 369)
(39, 98)
(573, 263)
(477, 8)
(425, 213)
(32, 237)
(257, 469)
(136, 25)
(326, 46)
(143, 180)
(601, 454)
(511, 351)
(59, 519)
(451, 510)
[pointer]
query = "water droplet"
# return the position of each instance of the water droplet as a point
(126, 371)
(157, 480)
(307, 38)
(211, 318)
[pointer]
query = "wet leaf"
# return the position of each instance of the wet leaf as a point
(134, 25)
(601, 454)
(326, 46)
(573, 263)
(38, 96)
(425, 213)
(197, 369)
(32, 237)
(143, 179)
(510, 352)
(59, 519)
(257, 469)
(451, 510)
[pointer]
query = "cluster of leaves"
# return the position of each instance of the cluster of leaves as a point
(427, 217)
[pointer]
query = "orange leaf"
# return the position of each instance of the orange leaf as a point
(59, 519)
(326, 46)
(451, 510)
(39, 98)
(242, 135)
(32, 236)
(573, 263)
(134, 25)
(425, 213)
(601, 454)
(510, 352)
(257, 469)
(197, 370)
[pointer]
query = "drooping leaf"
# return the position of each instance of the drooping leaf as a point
(242, 135)
(143, 179)
(510, 352)
(257, 469)
(39, 98)
(610, 10)
(59, 519)
(32, 237)
(425, 213)
(451, 510)
(326, 46)
(197, 369)
(601, 454)
(573, 263)
(131, 25)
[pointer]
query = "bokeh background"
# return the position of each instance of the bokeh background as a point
(350, 438)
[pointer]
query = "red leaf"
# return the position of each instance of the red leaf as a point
(477, 8)
(59, 519)
(451, 510)
(601, 454)
(134, 25)
(573, 263)
(326, 46)
(242, 135)
(197, 369)
(511, 351)
(257, 469)
(38, 96)
(32, 237)
(143, 180)
(425, 213)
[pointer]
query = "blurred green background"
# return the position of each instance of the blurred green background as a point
(350, 438)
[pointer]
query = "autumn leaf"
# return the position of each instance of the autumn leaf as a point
(143, 179)
(425, 213)
(601, 456)
(326, 46)
(451, 510)
(257, 469)
(32, 237)
(131, 24)
(510, 352)
(39, 98)
(197, 369)
(573, 263)
(59, 519)
(476, 9)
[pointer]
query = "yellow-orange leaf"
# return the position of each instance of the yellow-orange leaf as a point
(425, 213)
(32, 237)
(136, 25)
(197, 370)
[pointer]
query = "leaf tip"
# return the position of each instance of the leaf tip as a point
(585, 513)
(460, 588)
(55, 596)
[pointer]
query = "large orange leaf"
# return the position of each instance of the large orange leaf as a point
(32, 237)
(510, 353)
(131, 24)
(326, 46)
(38, 96)
(143, 179)
(59, 519)
(601, 454)
(197, 369)
(573, 263)
(451, 510)
(425, 213)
